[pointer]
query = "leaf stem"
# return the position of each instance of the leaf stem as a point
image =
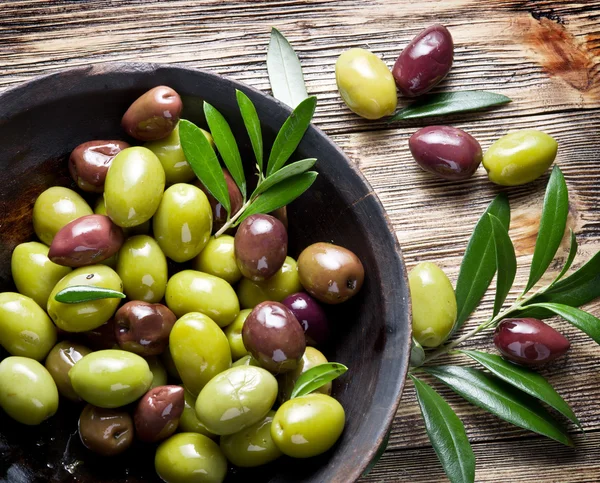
(233, 219)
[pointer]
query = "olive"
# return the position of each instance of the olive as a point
(424, 62)
(143, 229)
(236, 399)
(169, 363)
(102, 337)
(446, 152)
(311, 316)
(89, 163)
(433, 304)
(61, 358)
(234, 335)
(519, 157)
(25, 329)
(143, 328)
(274, 337)
(330, 273)
(159, 371)
(105, 431)
(153, 115)
(157, 413)
(218, 211)
(308, 425)
(529, 341)
(54, 208)
(169, 153)
(365, 84)
(183, 222)
(311, 358)
(246, 360)
(87, 240)
(261, 243)
(189, 422)
(218, 259)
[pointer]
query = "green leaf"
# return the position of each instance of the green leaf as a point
(479, 262)
(572, 253)
(552, 226)
(446, 433)
(286, 172)
(291, 134)
(501, 399)
(382, 447)
(450, 103)
(506, 261)
(417, 354)
(524, 379)
(226, 144)
(280, 195)
(204, 162)
(316, 377)
(252, 123)
(86, 293)
(285, 71)
(584, 321)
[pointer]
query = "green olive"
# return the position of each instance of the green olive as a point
(188, 421)
(143, 229)
(190, 458)
(311, 358)
(85, 316)
(308, 425)
(519, 157)
(159, 372)
(192, 291)
(28, 393)
(252, 446)
(111, 378)
(199, 349)
(183, 222)
(134, 186)
(59, 362)
(234, 335)
(433, 304)
(142, 267)
(247, 360)
(218, 259)
(25, 329)
(55, 208)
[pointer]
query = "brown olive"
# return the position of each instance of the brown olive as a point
(157, 414)
(60, 359)
(89, 163)
(218, 211)
(105, 431)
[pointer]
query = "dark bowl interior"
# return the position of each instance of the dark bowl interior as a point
(43, 120)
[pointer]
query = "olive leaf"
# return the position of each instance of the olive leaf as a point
(506, 261)
(584, 321)
(86, 293)
(284, 173)
(417, 354)
(252, 123)
(316, 377)
(570, 258)
(446, 433)
(379, 453)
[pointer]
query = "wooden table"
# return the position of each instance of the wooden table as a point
(544, 54)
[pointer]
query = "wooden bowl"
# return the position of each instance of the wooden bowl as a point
(43, 120)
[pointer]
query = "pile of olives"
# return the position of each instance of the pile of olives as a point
(210, 350)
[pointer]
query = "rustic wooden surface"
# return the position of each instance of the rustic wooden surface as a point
(544, 54)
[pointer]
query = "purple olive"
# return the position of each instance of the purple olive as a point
(446, 152)
(89, 163)
(157, 414)
(85, 241)
(219, 212)
(274, 337)
(425, 61)
(261, 243)
(529, 341)
(105, 431)
(311, 316)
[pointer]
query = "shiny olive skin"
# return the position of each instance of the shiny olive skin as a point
(157, 413)
(285, 282)
(85, 241)
(183, 222)
(424, 62)
(246, 360)
(188, 421)
(252, 446)
(308, 425)
(311, 358)
(192, 291)
(433, 304)
(153, 115)
(274, 337)
(102, 337)
(143, 229)
(529, 341)
(330, 273)
(143, 328)
(25, 329)
(519, 157)
(311, 316)
(218, 211)
(234, 335)
(159, 371)
(199, 349)
(261, 243)
(236, 399)
(218, 259)
(365, 84)
(28, 393)
(61, 358)
(33, 273)
(134, 187)
(89, 163)
(190, 458)
(110, 378)
(446, 151)
(54, 208)
(85, 315)
(107, 432)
